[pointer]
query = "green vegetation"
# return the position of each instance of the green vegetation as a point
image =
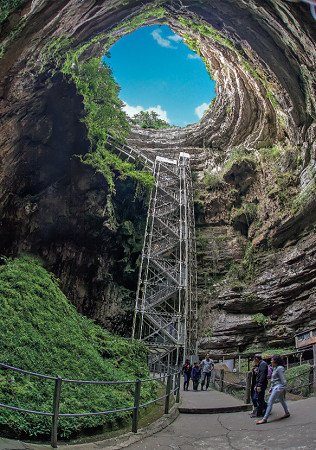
(298, 380)
(269, 352)
(71, 57)
(7, 6)
(271, 153)
(239, 154)
(249, 210)
(213, 181)
(260, 319)
(104, 116)
(42, 332)
(205, 30)
(249, 298)
(146, 119)
(95, 82)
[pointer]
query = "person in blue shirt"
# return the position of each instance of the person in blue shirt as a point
(196, 375)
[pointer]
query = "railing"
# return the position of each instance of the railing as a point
(172, 388)
(238, 384)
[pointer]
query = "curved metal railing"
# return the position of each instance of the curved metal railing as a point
(172, 388)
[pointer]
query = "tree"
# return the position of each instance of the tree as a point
(150, 119)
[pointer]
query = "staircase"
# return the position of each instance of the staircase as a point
(165, 311)
(165, 316)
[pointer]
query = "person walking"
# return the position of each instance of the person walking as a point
(207, 366)
(277, 389)
(196, 375)
(261, 385)
(186, 370)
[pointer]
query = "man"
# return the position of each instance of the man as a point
(207, 365)
(261, 383)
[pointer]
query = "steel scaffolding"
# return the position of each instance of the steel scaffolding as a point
(165, 316)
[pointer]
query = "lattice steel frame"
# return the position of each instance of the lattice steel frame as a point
(165, 316)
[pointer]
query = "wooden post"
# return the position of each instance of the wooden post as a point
(287, 363)
(221, 385)
(248, 387)
(178, 387)
(136, 406)
(239, 362)
(55, 411)
(311, 386)
(168, 389)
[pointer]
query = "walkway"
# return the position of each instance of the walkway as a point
(234, 431)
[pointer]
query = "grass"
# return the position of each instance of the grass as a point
(42, 332)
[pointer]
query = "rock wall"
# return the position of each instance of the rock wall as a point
(252, 212)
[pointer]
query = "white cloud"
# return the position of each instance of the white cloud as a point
(156, 34)
(161, 112)
(200, 110)
(175, 38)
(132, 110)
(193, 56)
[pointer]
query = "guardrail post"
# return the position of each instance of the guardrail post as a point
(221, 383)
(248, 387)
(136, 405)
(168, 389)
(55, 411)
(178, 387)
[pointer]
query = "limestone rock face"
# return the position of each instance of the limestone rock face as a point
(262, 55)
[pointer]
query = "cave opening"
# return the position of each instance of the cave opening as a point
(265, 96)
(158, 72)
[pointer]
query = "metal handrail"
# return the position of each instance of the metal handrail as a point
(135, 409)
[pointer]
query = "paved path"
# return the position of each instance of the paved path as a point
(234, 431)
(238, 431)
(210, 401)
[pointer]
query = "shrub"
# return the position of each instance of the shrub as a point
(212, 181)
(260, 319)
(43, 333)
(298, 380)
(150, 119)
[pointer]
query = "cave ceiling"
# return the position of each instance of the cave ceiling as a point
(261, 54)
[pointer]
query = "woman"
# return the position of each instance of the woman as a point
(277, 389)
(186, 370)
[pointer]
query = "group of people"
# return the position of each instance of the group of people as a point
(260, 376)
(196, 372)
(261, 373)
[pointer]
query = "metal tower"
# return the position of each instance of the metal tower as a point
(165, 313)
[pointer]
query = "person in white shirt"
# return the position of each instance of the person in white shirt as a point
(277, 389)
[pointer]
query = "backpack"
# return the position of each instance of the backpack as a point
(270, 370)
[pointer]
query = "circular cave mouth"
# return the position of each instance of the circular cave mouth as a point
(163, 82)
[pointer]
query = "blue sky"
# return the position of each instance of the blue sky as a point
(156, 71)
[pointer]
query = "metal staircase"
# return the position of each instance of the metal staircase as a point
(165, 313)
(165, 316)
